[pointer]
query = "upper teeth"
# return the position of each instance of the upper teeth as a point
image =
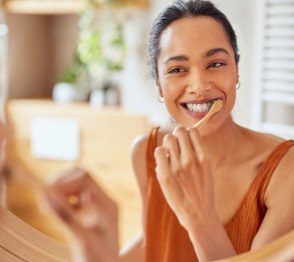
(199, 107)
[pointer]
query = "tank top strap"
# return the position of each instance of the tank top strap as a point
(269, 167)
(151, 145)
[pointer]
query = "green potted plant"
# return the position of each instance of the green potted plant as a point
(96, 58)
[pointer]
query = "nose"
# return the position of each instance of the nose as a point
(197, 83)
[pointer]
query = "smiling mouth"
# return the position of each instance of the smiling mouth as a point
(198, 107)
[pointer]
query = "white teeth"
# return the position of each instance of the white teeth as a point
(204, 107)
(199, 107)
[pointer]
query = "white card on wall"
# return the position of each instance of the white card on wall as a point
(55, 139)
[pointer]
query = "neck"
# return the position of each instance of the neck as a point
(223, 145)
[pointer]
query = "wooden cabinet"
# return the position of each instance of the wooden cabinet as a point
(43, 7)
(42, 41)
(40, 48)
(60, 6)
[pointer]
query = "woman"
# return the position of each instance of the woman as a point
(216, 192)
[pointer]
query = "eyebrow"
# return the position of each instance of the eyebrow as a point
(209, 53)
(176, 58)
(214, 51)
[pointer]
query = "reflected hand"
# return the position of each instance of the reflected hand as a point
(88, 212)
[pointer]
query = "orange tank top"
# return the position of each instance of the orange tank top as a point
(168, 241)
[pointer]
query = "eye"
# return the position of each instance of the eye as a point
(215, 64)
(176, 70)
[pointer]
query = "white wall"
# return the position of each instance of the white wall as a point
(139, 92)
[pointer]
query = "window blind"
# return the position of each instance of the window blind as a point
(277, 63)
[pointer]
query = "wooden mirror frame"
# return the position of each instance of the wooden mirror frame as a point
(32, 244)
(281, 249)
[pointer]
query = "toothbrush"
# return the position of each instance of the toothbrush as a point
(216, 106)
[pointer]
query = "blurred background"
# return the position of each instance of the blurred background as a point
(87, 61)
(49, 41)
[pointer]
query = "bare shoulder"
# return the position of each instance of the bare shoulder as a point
(162, 131)
(282, 180)
(281, 186)
(287, 164)
(260, 144)
(278, 196)
(139, 147)
(266, 139)
(268, 143)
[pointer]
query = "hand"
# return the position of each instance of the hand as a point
(88, 212)
(184, 174)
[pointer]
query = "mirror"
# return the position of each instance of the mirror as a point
(108, 159)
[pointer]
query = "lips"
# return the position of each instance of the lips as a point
(198, 108)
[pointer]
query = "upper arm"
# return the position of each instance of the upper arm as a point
(139, 148)
(279, 218)
(134, 251)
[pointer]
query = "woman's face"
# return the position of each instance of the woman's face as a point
(196, 65)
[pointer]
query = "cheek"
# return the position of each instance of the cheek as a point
(171, 88)
(230, 90)
(228, 85)
(171, 94)
(169, 91)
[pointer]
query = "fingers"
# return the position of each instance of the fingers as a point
(185, 145)
(98, 219)
(182, 146)
(79, 190)
(165, 171)
(169, 155)
(197, 144)
(62, 209)
(80, 202)
(171, 144)
(161, 155)
(70, 181)
(77, 184)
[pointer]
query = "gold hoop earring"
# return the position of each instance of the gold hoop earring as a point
(160, 98)
(238, 85)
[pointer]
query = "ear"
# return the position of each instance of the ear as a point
(159, 88)
(237, 78)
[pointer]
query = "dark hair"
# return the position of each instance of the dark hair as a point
(178, 10)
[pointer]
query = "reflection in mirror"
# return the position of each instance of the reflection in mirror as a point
(214, 192)
(3, 91)
(102, 148)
